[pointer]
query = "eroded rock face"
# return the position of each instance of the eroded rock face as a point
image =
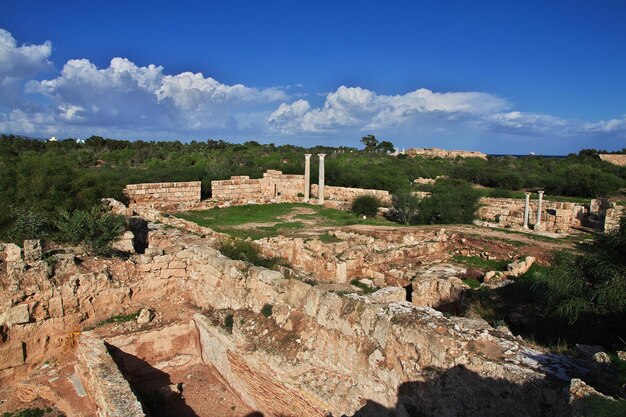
(317, 352)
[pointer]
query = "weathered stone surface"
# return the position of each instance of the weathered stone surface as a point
(388, 295)
(55, 307)
(103, 380)
(520, 267)
(32, 250)
(125, 242)
(20, 314)
(12, 355)
(13, 253)
(146, 315)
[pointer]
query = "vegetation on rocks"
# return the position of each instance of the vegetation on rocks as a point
(96, 229)
(245, 251)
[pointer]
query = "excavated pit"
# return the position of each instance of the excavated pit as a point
(164, 368)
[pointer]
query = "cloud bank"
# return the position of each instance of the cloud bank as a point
(130, 101)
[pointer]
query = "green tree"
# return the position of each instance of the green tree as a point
(451, 202)
(370, 143)
(406, 205)
(385, 147)
(366, 205)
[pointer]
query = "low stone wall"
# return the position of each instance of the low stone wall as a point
(273, 187)
(442, 153)
(104, 381)
(615, 159)
(348, 195)
(164, 195)
(612, 217)
(555, 216)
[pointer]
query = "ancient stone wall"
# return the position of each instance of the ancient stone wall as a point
(509, 212)
(615, 159)
(321, 352)
(104, 381)
(165, 195)
(612, 217)
(442, 153)
(348, 195)
(273, 187)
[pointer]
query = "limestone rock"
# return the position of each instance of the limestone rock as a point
(12, 355)
(116, 207)
(13, 253)
(388, 295)
(55, 307)
(589, 350)
(125, 243)
(518, 268)
(146, 315)
(19, 314)
(170, 392)
(32, 250)
(578, 391)
(621, 355)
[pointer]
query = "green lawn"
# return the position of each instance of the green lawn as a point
(252, 220)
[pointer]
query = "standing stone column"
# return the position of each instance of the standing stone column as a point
(539, 208)
(526, 210)
(307, 177)
(320, 189)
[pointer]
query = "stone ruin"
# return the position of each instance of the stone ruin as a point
(615, 159)
(442, 153)
(317, 352)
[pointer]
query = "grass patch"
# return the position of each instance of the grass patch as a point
(245, 251)
(481, 263)
(366, 288)
(601, 407)
(328, 238)
(472, 282)
(229, 220)
(118, 318)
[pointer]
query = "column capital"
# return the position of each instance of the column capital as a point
(540, 192)
(321, 155)
(527, 194)
(307, 155)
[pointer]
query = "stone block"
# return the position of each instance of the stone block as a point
(32, 250)
(13, 253)
(55, 307)
(20, 314)
(12, 355)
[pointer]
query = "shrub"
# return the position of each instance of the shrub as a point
(267, 310)
(28, 224)
(405, 205)
(452, 201)
(96, 229)
(366, 205)
(501, 193)
(245, 251)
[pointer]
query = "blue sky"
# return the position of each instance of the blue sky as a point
(495, 76)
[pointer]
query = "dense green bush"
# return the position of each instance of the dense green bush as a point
(593, 283)
(96, 229)
(366, 205)
(405, 205)
(28, 224)
(451, 201)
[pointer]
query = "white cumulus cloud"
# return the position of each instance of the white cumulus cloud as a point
(18, 63)
(362, 108)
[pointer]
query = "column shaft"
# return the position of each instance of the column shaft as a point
(539, 208)
(320, 190)
(307, 177)
(526, 210)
